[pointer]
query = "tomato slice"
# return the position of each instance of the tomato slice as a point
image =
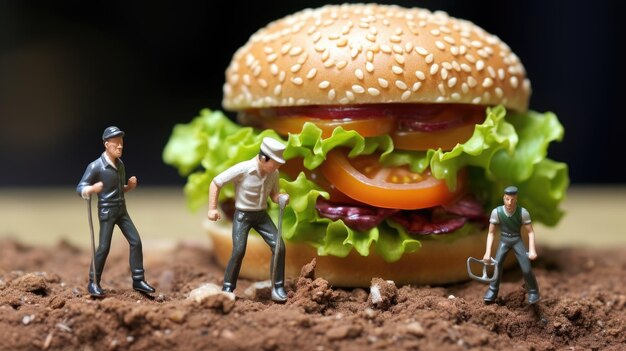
(365, 180)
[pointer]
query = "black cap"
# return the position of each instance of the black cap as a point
(510, 190)
(111, 132)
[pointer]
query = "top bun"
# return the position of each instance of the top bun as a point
(366, 54)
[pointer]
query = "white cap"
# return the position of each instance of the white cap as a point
(274, 149)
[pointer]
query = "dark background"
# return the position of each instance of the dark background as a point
(69, 69)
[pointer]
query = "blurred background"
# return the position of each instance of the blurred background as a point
(69, 69)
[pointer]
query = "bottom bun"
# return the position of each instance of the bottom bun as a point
(436, 262)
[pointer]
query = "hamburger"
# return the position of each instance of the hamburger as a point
(402, 127)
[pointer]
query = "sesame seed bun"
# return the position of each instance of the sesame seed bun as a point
(365, 54)
(436, 262)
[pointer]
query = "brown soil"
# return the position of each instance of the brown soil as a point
(44, 305)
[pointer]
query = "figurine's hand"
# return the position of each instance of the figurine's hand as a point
(487, 257)
(214, 215)
(532, 255)
(132, 183)
(96, 188)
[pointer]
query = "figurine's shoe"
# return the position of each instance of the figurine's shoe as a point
(143, 286)
(533, 297)
(279, 294)
(490, 296)
(95, 290)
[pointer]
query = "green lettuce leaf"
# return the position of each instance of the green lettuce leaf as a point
(504, 150)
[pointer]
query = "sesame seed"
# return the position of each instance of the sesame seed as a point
(406, 95)
(401, 85)
(328, 22)
(373, 30)
(350, 96)
(482, 53)
(480, 64)
(465, 34)
(526, 85)
(440, 45)
(471, 82)
(316, 37)
(324, 84)
(354, 53)
(486, 96)
(395, 39)
(420, 50)
(420, 75)
(445, 29)
(399, 59)
(344, 101)
(271, 58)
(442, 88)
(325, 55)
(312, 72)
(345, 30)
(456, 96)
(435, 32)
(369, 67)
(331, 94)
(449, 39)
(342, 64)
(466, 68)
(501, 73)
(358, 89)
(383, 83)
(514, 82)
(277, 89)
(477, 43)
(446, 65)
(476, 100)
(311, 30)
(416, 86)
(398, 49)
(274, 69)
(363, 25)
(462, 49)
(399, 31)
(433, 69)
(464, 88)
(297, 80)
(397, 69)
(342, 42)
(285, 49)
(319, 47)
(246, 79)
(302, 59)
(408, 47)
(487, 82)
(440, 99)
(262, 82)
(385, 48)
(422, 24)
(369, 56)
(452, 82)
(295, 68)
(358, 73)
(470, 58)
(444, 73)
(454, 50)
(492, 72)
(295, 51)
(429, 58)
(371, 37)
(499, 92)
(373, 91)
(268, 50)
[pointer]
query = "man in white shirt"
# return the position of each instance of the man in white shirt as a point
(254, 181)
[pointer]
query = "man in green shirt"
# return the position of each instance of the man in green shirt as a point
(511, 218)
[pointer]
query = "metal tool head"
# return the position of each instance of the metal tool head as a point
(485, 278)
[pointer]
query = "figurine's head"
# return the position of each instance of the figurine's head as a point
(113, 139)
(271, 155)
(510, 198)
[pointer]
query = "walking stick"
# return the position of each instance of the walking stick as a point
(93, 241)
(282, 202)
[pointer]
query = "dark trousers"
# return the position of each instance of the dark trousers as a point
(516, 244)
(109, 217)
(243, 221)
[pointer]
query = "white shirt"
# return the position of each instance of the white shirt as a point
(494, 219)
(251, 188)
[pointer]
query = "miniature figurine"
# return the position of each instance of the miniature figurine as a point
(106, 177)
(254, 180)
(510, 218)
